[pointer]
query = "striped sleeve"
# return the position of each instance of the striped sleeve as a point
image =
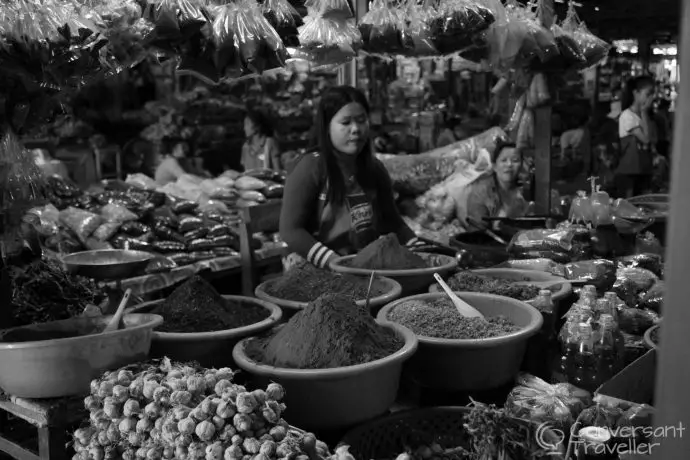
(320, 254)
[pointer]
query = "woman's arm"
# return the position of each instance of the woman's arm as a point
(300, 200)
(174, 168)
(388, 210)
(477, 207)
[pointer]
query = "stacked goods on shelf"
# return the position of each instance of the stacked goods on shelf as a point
(126, 217)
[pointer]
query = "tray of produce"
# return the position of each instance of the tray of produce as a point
(304, 283)
(201, 325)
(387, 257)
(321, 354)
(453, 349)
(501, 281)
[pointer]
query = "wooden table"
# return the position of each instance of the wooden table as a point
(53, 419)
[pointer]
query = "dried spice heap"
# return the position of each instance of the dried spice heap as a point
(197, 307)
(386, 253)
(467, 281)
(305, 283)
(440, 319)
(330, 332)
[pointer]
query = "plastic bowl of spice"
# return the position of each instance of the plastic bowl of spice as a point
(292, 293)
(60, 358)
(457, 353)
(498, 281)
(338, 365)
(413, 280)
(201, 325)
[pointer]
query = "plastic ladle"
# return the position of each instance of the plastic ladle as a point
(371, 283)
(114, 323)
(463, 307)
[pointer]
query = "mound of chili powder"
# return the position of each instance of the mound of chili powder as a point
(386, 253)
(196, 306)
(330, 332)
(305, 282)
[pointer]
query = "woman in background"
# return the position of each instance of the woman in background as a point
(260, 150)
(169, 167)
(340, 198)
(634, 171)
(499, 194)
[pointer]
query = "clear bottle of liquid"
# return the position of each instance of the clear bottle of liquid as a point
(567, 344)
(601, 307)
(609, 323)
(583, 306)
(589, 291)
(583, 370)
(544, 303)
(606, 349)
(612, 299)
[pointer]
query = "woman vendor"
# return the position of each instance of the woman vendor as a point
(339, 198)
(499, 194)
(175, 164)
(260, 150)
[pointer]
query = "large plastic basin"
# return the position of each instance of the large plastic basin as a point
(210, 349)
(466, 365)
(412, 281)
(61, 367)
(392, 292)
(339, 398)
(515, 274)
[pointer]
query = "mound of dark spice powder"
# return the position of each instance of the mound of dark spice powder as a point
(330, 332)
(196, 306)
(440, 319)
(386, 253)
(305, 282)
(471, 282)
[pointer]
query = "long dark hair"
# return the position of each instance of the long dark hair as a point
(261, 121)
(366, 168)
(634, 84)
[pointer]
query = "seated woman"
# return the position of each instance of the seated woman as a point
(499, 194)
(453, 132)
(169, 167)
(260, 150)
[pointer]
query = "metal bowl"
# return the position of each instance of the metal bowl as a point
(106, 264)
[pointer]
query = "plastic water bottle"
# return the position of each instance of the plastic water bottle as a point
(583, 371)
(567, 344)
(613, 300)
(607, 349)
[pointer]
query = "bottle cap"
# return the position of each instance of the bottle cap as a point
(584, 328)
(610, 295)
(545, 292)
(594, 434)
(606, 318)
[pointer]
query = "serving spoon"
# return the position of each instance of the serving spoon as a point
(114, 323)
(463, 307)
(371, 283)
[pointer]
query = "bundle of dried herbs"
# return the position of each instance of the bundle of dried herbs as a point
(43, 291)
(196, 306)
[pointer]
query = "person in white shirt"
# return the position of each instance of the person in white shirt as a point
(635, 167)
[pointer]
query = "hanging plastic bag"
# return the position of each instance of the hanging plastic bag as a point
(456, 23)
(525, 133)
(326, 42)
(227, 54)
(581, 209)
(330, 9)
(260, 46)
(592, 47)
(415, 22)
(284, 18)
(571, 56)
(382, 30)
(516, 116)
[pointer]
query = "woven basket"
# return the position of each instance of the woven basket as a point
(387, 437)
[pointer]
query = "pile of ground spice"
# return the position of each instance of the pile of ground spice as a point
(471, 282)
(330, 332)
(196, 306)
(440, 319)
(386, 253)
(305, 282)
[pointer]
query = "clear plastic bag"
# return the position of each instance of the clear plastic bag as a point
(636, 321)
(571, 55)
(599, 272)
(227, 55)
(82, 223)
(516, 116)
(560, 240)
(383, 30)
(330, 9)
(652, 262)
(116, 213)
(593, 49)
(326, 42)
(535, 400)
(653, 299)
(457, 23)
(417, 28)
(284, 18)
(525, 133)
(260, 47)
(106, 230)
